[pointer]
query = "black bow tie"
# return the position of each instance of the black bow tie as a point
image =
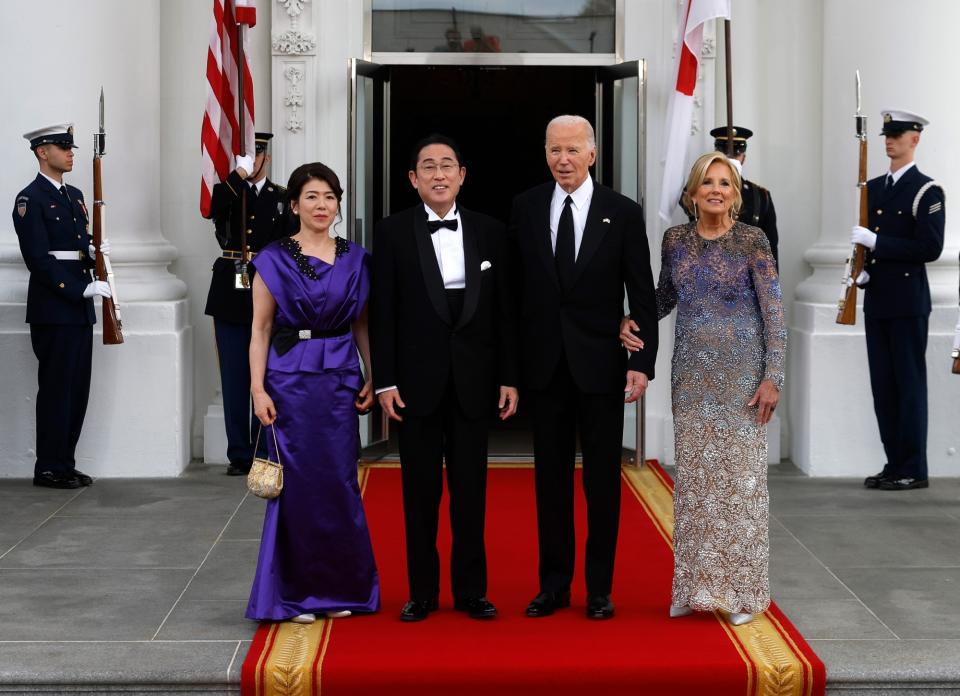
(434, 225)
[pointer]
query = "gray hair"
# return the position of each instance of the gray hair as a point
(571, 120)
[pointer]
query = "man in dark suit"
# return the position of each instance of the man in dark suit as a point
(757, 209)
(907, 218)
(229, 301)
(442, 338)
(51, 223)
(579, 245)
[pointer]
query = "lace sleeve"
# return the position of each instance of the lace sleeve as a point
(766, 284)
(666, 291)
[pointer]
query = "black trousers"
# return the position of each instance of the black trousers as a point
(233, 352)
(559, 411)
(896, 350)
(64, 353)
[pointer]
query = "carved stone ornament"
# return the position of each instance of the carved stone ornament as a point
(294, 43)
(293, 8)
(293, 99)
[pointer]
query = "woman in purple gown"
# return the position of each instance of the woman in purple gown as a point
(309, 320)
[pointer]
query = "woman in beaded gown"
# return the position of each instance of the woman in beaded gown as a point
(727, 374)
(315, 551)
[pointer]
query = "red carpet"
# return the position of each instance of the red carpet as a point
(640, 650)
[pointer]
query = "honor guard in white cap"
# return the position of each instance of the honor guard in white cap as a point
(51, 222)
(230, 301)
(906, 222)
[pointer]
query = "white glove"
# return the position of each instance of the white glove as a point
(956, 336)
(98, 287)
(245, 165)
(861, 280)
(104, 248)
(861, 235)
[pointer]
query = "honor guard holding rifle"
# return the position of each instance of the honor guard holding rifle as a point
(230, 301)
(51, 222)
(905, 231)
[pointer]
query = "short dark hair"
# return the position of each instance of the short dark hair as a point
(313, 170)
(433, 139)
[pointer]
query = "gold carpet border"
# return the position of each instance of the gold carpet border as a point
(781, 668)
(288, 669)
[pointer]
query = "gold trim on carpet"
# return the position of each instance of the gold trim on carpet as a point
(781, 668)
(288, 669)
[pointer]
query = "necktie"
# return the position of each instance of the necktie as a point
(434, 225)
(565, 252)
(253, 190)
(63, 192)
(888, 184)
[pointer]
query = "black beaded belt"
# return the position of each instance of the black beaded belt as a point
(284, 338)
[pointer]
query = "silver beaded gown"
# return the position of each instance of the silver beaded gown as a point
(729, 336)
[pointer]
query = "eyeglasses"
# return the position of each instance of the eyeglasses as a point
(430, 169)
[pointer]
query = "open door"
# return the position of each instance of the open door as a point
(367, 166)
(621, 165)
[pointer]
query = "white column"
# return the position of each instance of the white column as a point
(138, 419)
(832, 419)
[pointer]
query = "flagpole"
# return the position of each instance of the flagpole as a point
(242, 73)
(729, 70)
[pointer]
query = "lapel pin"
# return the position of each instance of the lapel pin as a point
(485, 265)
(606, 221)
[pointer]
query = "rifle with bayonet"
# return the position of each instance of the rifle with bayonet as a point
(847, 306)
(112, 325)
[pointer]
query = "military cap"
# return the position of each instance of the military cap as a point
(740, 136)
(262, 141)
(58, 134)
(897, 121)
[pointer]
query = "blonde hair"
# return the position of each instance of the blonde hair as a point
(699, 172)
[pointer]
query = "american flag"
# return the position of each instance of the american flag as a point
(220, 136)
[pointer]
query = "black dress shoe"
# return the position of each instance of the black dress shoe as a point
(53, 479)
(903, 484)
(238, 468)
(418, 609)
(83, 478)
(599, 607)
(874, 481)
(476, 608)
(545, 603)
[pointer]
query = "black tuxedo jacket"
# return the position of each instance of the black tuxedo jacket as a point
(415, 345)
(906, 241)
(585, 323)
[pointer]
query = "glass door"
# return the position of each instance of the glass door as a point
(621, 164)
(367, 191)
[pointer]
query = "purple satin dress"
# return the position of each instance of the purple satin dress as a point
(315, 551)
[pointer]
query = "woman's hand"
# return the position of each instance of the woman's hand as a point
(627, 338)
(263, 408)
(364, 400)
(765, 399)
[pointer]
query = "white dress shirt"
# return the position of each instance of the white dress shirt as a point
(259, 185)
(900, 172)
(580, 208)
(55, 183)
(448, 246)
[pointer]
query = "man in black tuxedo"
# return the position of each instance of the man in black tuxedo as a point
(579, 245)
(442, 339)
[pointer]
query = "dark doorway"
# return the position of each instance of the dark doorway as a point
(496, 114)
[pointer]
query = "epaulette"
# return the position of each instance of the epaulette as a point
(934, 208)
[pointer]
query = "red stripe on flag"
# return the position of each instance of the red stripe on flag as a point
(687, 74)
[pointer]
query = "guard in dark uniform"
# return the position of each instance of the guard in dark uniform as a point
(907, 215)
(50, 219)
(229, 302)
(757, 209)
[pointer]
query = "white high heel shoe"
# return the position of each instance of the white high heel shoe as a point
(304, 618)
(676, 612)
(738, 618)
(339, 614)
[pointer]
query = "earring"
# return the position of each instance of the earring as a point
(696, 212)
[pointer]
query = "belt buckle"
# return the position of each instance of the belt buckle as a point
(304, 334)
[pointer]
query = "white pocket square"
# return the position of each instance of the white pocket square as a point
(484, 265)
(605, 221)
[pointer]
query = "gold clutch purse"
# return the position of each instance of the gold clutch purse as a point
(265, 479)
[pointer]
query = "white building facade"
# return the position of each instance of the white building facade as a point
(155, 403)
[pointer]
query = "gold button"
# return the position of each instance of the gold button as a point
(906, 275)
(876, 229)
(252, 217)
(78, 236)
(62, 285)
(58, 219)
(899, 212)
(872, 261)
(879, 212)
(249, 231)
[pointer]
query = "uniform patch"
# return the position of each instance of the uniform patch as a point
(936, 207)
(84, 207)
(22, 208)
